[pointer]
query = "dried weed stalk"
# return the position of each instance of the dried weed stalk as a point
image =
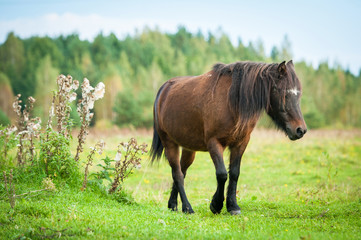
(27, 129)
(54, 142)
(10, 188)
(63, 97)
(131, 160)
(97, 148)
(89, 96)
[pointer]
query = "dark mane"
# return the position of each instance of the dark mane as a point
(250, 90)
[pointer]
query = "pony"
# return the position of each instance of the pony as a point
(219, 110)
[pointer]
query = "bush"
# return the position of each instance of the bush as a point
(127, 109)
(55, 158)
(133, 110)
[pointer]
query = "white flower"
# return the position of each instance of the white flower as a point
(75, 85)
(29, 127)
(11, 130)
(101, 145)
(118, 156)
(31, 99)
(51, 111)
(89, 116)
(125, 146)
(23, 132)
(67, 87)
(99, 91)
(37, 126)
(69, 78)
(86, 86)
(72, 97)
(61, 79)
(91, 103)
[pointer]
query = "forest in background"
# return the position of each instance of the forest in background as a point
(133, 68)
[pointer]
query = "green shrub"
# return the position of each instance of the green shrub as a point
(127, 109)
(55, 158)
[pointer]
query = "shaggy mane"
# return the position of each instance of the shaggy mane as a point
(251, 87)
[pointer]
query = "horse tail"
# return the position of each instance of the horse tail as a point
(157, 148)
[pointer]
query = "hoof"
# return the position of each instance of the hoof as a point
(174, 209)
(235, 212)
(188, 210)
(214, 210)
(173, 206)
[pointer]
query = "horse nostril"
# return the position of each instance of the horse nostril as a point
(300, 132)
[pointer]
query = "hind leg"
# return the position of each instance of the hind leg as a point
(186, 160)
(172, 153)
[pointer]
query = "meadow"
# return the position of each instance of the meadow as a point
(307, 189)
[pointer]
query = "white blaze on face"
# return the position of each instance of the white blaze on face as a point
(294, 91)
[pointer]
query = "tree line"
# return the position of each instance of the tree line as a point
(134, 67)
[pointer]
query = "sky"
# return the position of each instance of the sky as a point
(318, 30)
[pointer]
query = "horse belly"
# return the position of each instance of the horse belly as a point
(191, 140)
(181, 119)
(185, 129)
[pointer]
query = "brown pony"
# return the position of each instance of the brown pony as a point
(220, 109)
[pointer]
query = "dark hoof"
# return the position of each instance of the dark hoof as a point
(235, 212)
(173, 208)
(215, 210)
(188, 210)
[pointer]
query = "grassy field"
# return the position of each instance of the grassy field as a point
(308, 189)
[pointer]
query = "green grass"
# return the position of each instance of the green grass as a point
(308, 189)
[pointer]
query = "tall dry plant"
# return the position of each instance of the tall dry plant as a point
(27, 129)
(61, 103)
(9, 187)
(55, 151)
(85, 105)
(97, 148)
(124, 166)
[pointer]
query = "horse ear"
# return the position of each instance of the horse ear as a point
(290, 63)
(282, 68)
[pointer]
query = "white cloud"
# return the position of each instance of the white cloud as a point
(87, 26)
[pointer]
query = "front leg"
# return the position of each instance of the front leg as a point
(216, 151)
(234, 168)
